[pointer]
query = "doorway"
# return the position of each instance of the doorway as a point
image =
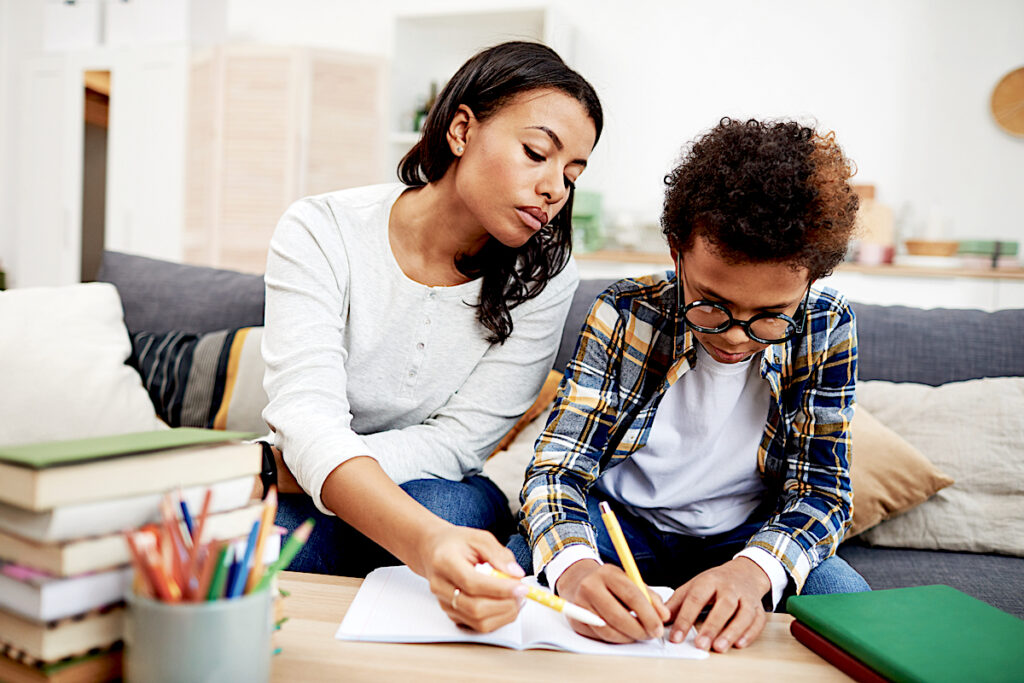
(94, 171)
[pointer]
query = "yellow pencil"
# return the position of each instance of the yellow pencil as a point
(269, 513)
(549, 599)
(611, 523)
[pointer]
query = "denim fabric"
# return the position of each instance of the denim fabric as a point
(336, 548)
(668, 559)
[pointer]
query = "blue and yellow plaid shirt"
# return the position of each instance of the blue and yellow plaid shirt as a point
(632, 348)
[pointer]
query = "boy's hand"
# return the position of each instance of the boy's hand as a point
(605, 590)
(737, 617)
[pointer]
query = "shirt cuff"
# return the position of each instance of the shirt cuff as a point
(771, 566)
(312, 470)
(560, 562)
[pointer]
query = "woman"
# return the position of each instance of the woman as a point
(409, 325)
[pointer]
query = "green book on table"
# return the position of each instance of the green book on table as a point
(45, 475)
(923, 633)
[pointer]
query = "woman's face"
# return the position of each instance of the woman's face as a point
(516, 167)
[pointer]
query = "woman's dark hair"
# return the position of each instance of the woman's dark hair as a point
(772, 191)
(486, 83)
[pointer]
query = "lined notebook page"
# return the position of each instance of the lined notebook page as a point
(395, 605)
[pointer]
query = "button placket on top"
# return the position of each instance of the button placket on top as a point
(416, 359)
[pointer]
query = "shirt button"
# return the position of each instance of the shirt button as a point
(431, 295)
(420, 346)
(426, 321)
(412, 373)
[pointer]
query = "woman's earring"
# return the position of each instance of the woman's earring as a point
(458, 150)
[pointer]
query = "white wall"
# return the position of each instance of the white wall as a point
(905, 85)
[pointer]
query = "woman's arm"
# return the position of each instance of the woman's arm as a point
(307, 289)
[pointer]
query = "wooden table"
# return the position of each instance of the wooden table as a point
(317, 604)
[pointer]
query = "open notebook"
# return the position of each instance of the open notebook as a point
(394, 605)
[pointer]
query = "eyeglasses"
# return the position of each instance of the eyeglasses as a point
(712, 317)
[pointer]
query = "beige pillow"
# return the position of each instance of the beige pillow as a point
(889, 475)
(974, 431)
(62, 366)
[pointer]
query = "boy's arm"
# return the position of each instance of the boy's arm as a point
(568, 452)
(566, 463)
(818, 497)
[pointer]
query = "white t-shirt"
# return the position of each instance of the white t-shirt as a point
(697, 474)
(362, 360)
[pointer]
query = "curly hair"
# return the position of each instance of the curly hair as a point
(763, 191)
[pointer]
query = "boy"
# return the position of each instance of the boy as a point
(711, 407)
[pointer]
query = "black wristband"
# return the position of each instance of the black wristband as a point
(268, 471)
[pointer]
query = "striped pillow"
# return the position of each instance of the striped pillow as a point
(212, 380)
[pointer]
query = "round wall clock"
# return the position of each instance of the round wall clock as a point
(1008, 102)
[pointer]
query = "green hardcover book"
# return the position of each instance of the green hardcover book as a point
(46, 475)
(924, 633)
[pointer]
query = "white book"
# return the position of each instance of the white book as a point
(96, 553)
(43, 598)
(110, 516)
(395, 605)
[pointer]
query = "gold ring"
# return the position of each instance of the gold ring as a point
(455, 598)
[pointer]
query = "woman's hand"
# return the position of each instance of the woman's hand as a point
(734, 591)
(605, 590)
(448, 558)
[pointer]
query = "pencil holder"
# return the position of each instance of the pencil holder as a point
(220, 640)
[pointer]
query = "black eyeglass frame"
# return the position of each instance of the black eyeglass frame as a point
(796, 325)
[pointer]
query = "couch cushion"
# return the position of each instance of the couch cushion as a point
(936, 346)
(159, 296)
(889, 475)
(64, 374)
(212, 380)
(996, 579)
(973, 431)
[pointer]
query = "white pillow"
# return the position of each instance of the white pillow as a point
(62, 366)
(974, 432)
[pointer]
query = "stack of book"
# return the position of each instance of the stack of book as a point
(64, 563)
(922, 633)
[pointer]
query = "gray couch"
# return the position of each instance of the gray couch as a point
(897, 343)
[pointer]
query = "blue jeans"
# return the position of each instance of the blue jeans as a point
(336, 548)
(668, 559)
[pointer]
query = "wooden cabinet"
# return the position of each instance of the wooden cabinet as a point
(268, 126)
(206, 149)
(47, 185)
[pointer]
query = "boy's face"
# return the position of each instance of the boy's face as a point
(746, 289)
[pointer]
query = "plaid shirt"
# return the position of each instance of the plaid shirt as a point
(632, 348)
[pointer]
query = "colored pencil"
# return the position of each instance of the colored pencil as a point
(142, 569)
(240, 577)
(197, 540)
(185, 515)
(220, 573)
(288, 552)
(266, 522)
(166, 586)
(211, 554)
